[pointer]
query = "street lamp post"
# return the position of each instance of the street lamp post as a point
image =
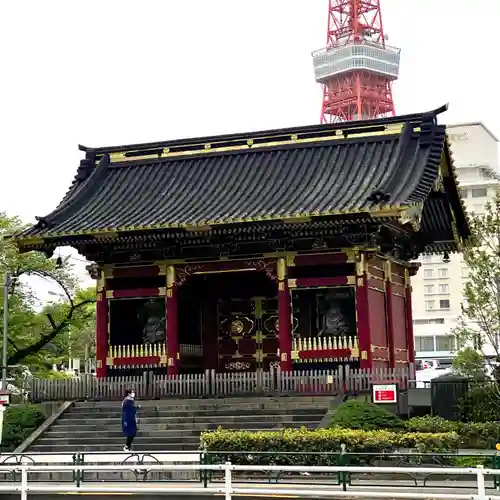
(6, 284)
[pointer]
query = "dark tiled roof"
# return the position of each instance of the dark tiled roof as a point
(310, 171)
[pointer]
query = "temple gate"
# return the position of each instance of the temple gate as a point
(289, 248)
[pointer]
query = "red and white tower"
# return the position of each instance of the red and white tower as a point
(356, 68)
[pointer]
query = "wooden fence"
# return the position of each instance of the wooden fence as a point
(212, 384)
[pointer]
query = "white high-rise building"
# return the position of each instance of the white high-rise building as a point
(438, 285)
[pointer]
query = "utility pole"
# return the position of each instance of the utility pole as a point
(6, 284)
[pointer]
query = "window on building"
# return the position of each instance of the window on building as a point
(477, 342)
(430, 321)
(463, 193)
(443, 272)
(429, 305)
(436, 321)
(429, 289)
(445, 343)
(465, 272)
(444, 304)
(485, 174)
(444, 288)
(428, 273)
(479, 192)
(424, 344)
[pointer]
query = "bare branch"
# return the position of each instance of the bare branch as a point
(47, 275)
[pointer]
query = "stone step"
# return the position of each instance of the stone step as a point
(113, 439)
(324, 402)
(166, 439)
(190, 419)
(176, 424)
(158, 425)
(217, 402)
(81, 415)
(210, 408)
(77, 442)
(153, 434)
(59, 430)
(117, 446)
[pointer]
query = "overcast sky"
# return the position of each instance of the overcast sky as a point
(112, 72)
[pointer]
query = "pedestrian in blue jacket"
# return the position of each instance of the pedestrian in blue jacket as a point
(129, 418)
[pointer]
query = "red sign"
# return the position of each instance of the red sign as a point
(385, 393)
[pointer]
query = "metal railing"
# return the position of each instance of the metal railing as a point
(489, 459)
(230, 488)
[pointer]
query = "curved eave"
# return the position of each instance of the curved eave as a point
(459, 209)
(337, 174)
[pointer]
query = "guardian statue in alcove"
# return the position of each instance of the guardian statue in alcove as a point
(333, 321)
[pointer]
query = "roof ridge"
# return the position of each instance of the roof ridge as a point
(305, 129)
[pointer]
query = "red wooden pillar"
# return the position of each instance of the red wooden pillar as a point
(172, 334)
(102, 331)
(389, 311)
(284, 316)
(362, 312)
(410, 340)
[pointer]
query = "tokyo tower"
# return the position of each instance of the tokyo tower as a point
(356, 68)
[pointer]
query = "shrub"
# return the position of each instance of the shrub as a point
(285, 447)
(429, 423)
(19, 422)
(480, 435)
(365, 416)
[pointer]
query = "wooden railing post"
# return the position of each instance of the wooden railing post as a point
(343, 380)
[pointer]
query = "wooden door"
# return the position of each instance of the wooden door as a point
(247, 338)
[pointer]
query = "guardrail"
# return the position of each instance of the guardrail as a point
(230, 488)
(142, 460)
(404, 460)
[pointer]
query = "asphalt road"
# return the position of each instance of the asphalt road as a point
(257, 496)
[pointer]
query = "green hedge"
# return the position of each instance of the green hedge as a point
(355, 414)
(276, 444)
(480, 435)
(19, 422)
(366, 416)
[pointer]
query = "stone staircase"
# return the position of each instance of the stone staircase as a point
(175, 425)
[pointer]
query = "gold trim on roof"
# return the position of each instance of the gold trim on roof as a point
(30, 240)
(412, 215)
(294, 139)
(388, 211)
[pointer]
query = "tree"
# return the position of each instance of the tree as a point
(34, 335)
(479, 324)
(76, 339)
(469, 363)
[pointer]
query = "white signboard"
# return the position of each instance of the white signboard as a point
(385, 393)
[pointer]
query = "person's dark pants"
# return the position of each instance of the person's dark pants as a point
(128, 444)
